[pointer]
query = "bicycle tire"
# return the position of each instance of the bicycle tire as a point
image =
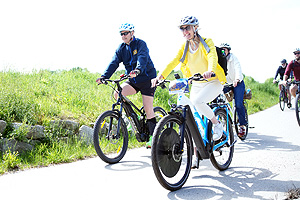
(297, 107)
(110, 149)
(171, 167)
(236, 123)
(222, 156)
(281, 100)
(159, 113)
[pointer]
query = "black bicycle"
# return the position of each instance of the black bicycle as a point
(297, 101)
(110, 130)
(283, 97)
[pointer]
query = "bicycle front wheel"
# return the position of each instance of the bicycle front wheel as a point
(171, 166)
(110, 140)
(297, 107)
(222, 155)
(281, 100)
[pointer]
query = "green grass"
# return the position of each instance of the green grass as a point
(41, 96)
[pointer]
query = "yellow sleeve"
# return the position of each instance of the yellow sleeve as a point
(212, 57)
(173, 63)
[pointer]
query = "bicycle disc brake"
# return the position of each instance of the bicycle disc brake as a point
(168, 150)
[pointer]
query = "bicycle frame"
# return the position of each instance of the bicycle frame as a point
(199, 126)
(129, 108)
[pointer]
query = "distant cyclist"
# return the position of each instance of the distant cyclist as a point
(280, 71)
(235, 77)
(295, 66)
(134, 54)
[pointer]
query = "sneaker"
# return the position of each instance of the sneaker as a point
(218, 131)
(149, 143)
(195, 162)
(289, 105)
(242, 131)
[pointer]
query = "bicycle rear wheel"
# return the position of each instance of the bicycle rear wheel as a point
(281, 100)
(109, 146)
(222, 156)
(171, 166)
(237, 124)
(297, 107)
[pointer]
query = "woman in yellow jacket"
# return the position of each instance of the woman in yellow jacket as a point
(196, 59)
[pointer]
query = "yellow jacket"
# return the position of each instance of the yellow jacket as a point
(211, 57)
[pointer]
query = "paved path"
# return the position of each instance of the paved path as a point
(264, 166)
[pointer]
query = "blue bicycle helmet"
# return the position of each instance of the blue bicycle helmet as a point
(126, 27)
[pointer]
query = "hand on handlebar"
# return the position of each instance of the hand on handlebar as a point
(100, 80)
(134, 73)
(283, 83)
(208, 74)
(156, 81)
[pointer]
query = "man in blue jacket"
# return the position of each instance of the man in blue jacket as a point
(134, 54)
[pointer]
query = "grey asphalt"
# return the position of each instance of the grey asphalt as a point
(265, 166)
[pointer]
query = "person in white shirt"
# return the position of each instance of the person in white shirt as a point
(235, 77)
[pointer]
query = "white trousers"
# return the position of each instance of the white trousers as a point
(203, 93)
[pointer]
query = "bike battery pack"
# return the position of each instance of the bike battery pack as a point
(190, 121)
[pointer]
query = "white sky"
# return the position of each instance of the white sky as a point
(62, 34)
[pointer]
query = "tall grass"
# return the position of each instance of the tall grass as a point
(41, 96)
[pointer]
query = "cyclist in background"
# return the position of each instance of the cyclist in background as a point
(134, 54)
(195, 59)
(280, 71)
(235, 77)
(295, 66)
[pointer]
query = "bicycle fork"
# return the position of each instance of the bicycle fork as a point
(111, 134)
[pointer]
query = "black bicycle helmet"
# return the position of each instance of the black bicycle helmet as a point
(283, 61)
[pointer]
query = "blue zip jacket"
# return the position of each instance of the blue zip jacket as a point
(133, 56)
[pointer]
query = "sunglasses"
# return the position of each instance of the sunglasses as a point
(296, 53)
(188, 28)
(125, 33)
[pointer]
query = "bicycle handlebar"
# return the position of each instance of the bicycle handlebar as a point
(199, 77)
(295, 82)
(195, 77)
(122, 77)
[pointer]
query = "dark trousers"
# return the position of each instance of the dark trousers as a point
(238, 98)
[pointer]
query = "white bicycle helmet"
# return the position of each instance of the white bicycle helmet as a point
(225, 45)
(188, 20)
(126, 27)
(296, 50)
